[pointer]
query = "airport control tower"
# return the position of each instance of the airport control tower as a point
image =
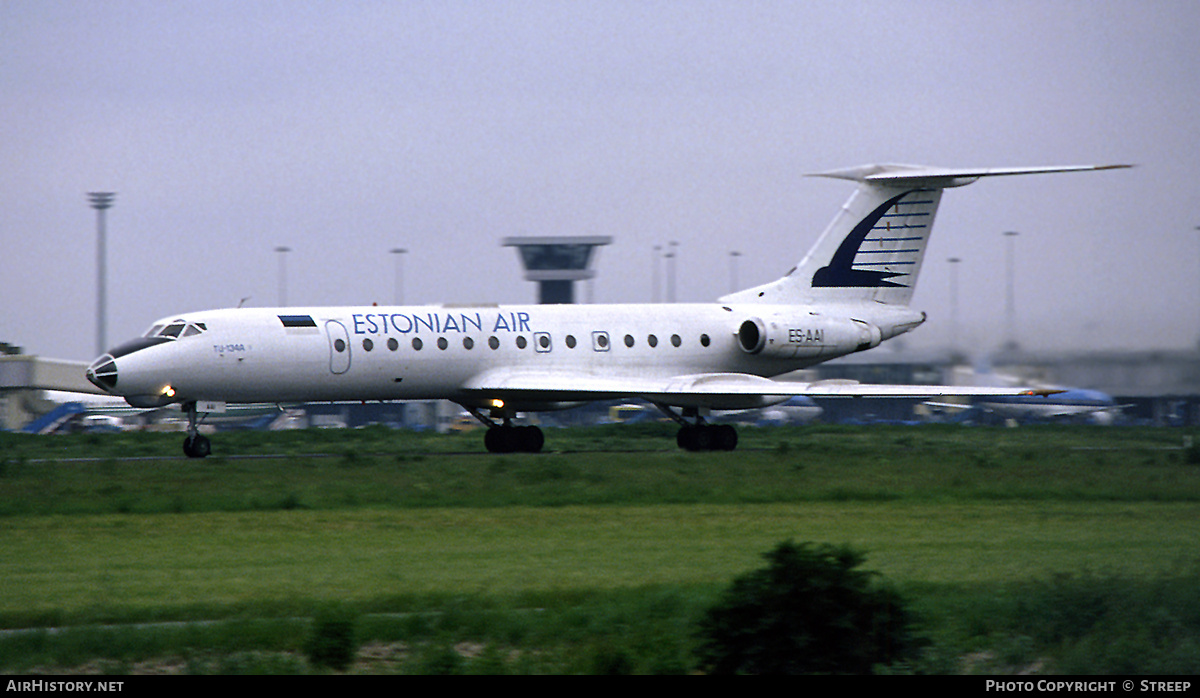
(556, 263)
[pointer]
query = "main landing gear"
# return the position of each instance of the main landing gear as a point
(195, 444)
(508, 438)
(695, 434)
(699, 435)
(707, 437)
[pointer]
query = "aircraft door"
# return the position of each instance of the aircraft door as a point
(339, 346)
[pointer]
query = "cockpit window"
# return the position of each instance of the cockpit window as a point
(176, 330)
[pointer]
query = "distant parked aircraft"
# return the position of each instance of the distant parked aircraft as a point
(1069, 405)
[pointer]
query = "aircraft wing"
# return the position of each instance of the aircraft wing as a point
(710, 390)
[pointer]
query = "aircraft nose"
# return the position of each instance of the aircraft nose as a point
(103, 373)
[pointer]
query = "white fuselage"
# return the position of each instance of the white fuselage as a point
(432, 352)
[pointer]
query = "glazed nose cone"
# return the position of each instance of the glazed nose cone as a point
(103, 373)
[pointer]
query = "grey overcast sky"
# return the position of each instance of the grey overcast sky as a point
(346, 129)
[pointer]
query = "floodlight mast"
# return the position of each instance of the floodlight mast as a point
(101, 201)
(282, 251)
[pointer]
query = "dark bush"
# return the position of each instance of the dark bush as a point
(333, 643)
(809, 611)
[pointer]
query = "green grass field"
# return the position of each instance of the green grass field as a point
(385, 522)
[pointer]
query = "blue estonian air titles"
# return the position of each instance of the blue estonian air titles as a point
(438, 323)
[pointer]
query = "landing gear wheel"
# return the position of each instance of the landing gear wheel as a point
(197, 446)
(510, 439)
(726, 437)
(494, 441)
(707, 437)
(532, 439)
(683, 437)
(693, 437)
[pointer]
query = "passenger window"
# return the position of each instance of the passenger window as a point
(442, 343)
(468, 343)
(393, 344)
(417, 343)
(493, 342)
(629, 341)
(570, 341)
(675, 340)
(368, 345)
(704, 340)
(652, 341)
(522, 342)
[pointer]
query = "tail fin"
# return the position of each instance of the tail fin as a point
(872, 250)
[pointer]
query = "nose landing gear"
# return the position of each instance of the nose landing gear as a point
(195, 444)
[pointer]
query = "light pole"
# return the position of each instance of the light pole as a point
(670, 256)
(733, 275)
(399, 252)
(101, 201)
(283, 250)
(656, 272)
(954, 303)
(1010, 312)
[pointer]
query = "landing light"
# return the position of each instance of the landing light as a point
(168, 391)
(497, 404)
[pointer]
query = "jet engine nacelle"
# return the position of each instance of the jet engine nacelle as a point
(805, 336)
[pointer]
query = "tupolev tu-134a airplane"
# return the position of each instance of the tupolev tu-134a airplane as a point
(848, 294)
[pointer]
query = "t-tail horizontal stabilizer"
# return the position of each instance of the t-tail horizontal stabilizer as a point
(873, 249)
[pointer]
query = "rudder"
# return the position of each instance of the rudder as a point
(880, 257)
